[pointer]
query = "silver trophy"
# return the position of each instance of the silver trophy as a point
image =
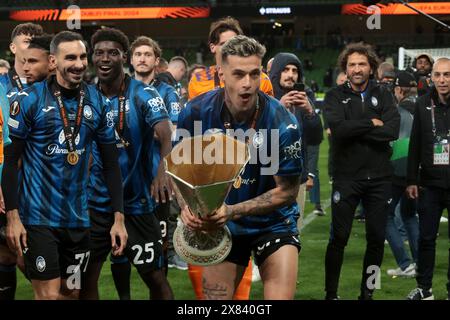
(204, 169)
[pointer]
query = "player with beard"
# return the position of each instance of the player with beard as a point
(37, 64)
(139, 114)
(14, 80)
(423, 64)
(145, 55)
(53, 124)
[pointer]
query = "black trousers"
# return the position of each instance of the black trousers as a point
(432, 201)
(375, 196)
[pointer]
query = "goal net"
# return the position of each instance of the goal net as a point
(406, 56)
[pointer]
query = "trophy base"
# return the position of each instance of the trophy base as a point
(202, 248)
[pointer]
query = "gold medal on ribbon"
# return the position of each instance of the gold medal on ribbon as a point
(237, 182)
(72, 158)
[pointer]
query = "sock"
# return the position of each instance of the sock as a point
(243, 290)
(121, 273)
(196, 275)
(8, 282)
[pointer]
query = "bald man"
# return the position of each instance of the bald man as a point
(429, 150)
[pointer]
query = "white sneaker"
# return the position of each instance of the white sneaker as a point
(319, 212)
(409, 272)
(443, 219)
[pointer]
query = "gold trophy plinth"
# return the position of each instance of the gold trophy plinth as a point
(203, 169)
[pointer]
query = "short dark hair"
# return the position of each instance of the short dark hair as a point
(29, 29)
(220, 26)
(41, 42)
(361, 48)
(111, 34)
(146, 41)
(64, 36)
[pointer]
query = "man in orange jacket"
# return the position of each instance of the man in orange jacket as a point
(209, 78)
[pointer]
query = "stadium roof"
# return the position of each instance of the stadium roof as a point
(58, 4)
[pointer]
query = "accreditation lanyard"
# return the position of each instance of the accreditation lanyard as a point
(120, 126)
(70, 136)
(433, 119)
(441, 154)
(227, 124)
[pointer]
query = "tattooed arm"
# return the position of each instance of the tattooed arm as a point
(283, 194)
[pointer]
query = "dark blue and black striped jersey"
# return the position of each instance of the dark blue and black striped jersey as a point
(144, 108)
(172, 102)
(10, 86)
(52, 191)
(283, 142)
(170, 97)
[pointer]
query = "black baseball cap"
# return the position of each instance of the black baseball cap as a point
(405, 79)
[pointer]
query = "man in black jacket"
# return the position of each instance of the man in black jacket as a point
(428, 173)
(363, 119)
(287, 70)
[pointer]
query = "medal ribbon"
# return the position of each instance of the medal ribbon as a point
(16, 79)
(68, 134)
(227, 125)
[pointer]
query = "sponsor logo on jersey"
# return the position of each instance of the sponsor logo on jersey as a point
(54, 148)
(292, 126)
(110, 119)
(11, 94)
(157, 104)
(293, 151)
(175, 108)
(48, 108)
